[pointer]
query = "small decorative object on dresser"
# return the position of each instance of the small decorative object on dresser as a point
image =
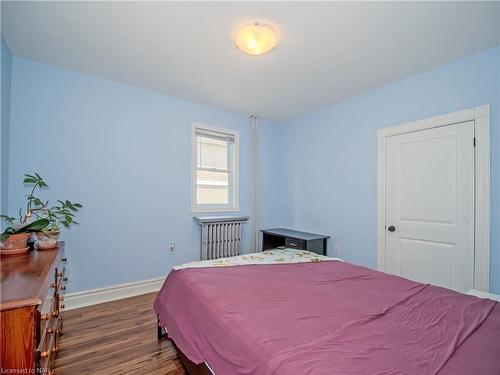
(31, 306)
(281, 237)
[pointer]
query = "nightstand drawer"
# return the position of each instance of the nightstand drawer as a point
(294, 243)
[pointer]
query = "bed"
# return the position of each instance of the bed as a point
(293, 312)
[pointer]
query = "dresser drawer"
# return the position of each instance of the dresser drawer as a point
(48, 356)
(50, 325)
(294, 243)
(47, 305)
(61, 279)
(49, 314)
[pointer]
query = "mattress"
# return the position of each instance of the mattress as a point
(317, 316)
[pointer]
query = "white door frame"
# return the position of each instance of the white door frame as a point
(481, 117)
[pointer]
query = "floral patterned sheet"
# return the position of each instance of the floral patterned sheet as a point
(275, 256)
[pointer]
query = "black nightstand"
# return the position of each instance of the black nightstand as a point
(273, 238)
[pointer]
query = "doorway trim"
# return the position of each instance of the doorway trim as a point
(481, 117)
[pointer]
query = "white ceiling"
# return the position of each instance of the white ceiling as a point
(328, 51)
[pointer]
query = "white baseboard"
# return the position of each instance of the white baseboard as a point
(112, 293)
(483, 294)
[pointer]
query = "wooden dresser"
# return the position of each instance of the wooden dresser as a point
(31, 310)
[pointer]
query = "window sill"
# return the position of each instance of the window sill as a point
(214, 210)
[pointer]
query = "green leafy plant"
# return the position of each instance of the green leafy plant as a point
(48, 218)
(34, 203)
(35, 226)
(61, 214)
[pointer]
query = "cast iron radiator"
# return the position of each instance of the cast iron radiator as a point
(220, 236)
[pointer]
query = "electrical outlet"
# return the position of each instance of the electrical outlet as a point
(171, 247)
(336, 247)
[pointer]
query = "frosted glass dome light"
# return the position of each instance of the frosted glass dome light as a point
(256, 38)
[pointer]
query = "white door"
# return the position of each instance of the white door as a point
(430, 206)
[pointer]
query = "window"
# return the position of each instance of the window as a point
(214, 169)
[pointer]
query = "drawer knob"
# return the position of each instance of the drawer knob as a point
(45, 317)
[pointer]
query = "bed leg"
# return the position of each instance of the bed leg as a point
(160, 331)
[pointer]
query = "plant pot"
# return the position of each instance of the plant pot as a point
(47, 240)
(16, 244)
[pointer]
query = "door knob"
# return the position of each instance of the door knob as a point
(392, 228)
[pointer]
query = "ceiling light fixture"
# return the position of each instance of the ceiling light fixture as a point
(256, 38)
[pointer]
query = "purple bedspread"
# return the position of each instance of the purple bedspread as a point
(326, 318)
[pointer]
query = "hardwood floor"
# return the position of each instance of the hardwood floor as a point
(115, 338)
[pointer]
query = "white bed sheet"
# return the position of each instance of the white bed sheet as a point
(275, 256)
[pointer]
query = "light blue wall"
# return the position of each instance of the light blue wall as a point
(124, 153)
(273, 189)
(6, 70)
(331, 153)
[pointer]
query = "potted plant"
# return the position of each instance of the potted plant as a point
(57, 215)
(62, 213)
(15, 241)
(48, 219)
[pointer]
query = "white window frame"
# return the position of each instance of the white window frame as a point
(234, 186)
